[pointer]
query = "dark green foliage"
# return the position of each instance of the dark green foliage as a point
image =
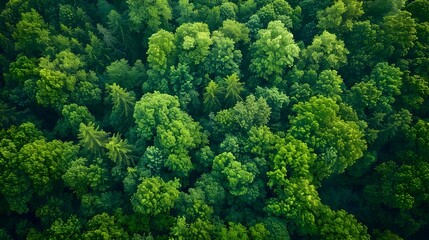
(221, 119)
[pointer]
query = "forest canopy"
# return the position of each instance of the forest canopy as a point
(223, 119)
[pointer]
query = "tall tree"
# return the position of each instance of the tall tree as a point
(273, 51)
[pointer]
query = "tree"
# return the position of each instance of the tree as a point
(276, 100)
(402, 188)
(340, 16)
(243, 116)
(83, 176)
(121, 73)
(233, 88)
(92, 139)
(200, 229)
(279, 10)
(31, 34)
(273, 51)
(212, 97)
(193, 43)
(65, 229)
(237, 175)
(123, 106)
(338, 143)
(418, 9)
(73, 116)
(161, 52)
(30, 165)
(298, 202)
(119, 151)
(223, 59)
(152, 15)
(63, 82)
(340, 225)
(234, 231)
(399, 32)
(292, 160)
(238, 32)
(154, 196)
(325, 52)
(104, 226)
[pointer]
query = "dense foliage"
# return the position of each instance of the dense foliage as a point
(192, 119)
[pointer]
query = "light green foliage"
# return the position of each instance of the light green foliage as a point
(237, 175)
(30, 164)
(338, 224)
(92, 139)
(152, 15)
(273, 51)
(21, 70)
(233, 88)
(329, 84)
(83, 175)
(154, 196)
(337, 142)
(123, 106)
(292, 160)
(196, 119)
(161, 50)
(238, 32)
(155, 109)
(235, 231)
(259, 231)
(159, 118)
(200, 229)
(193, 43)
(104, 226)
(243, 116)
(44, 162)
(119, 151)
(223, 59)
(61, 82)
(212, 97)
(50, 86)
(263, 143)
(298, 202)
(325, 52)
(70, 229)
(31, 33)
